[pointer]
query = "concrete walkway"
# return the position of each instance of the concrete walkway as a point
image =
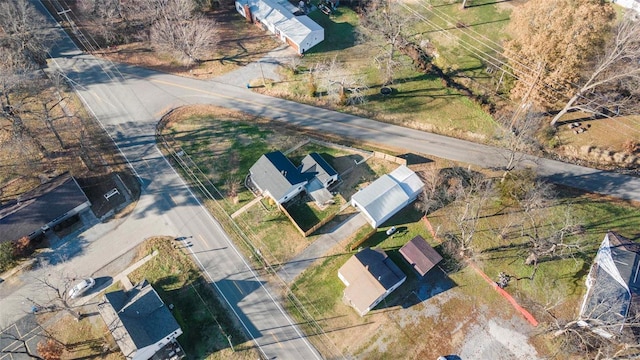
(319, 248)
(246, 206)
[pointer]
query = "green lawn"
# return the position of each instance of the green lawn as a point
(420, 101)
(558, 282)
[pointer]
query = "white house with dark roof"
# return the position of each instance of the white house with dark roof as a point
(141, 323)
(613, 285)
(387, 195)
(279, 17)
(370, 276)
(275, 176)
(42, 208)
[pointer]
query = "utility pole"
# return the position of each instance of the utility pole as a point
(523, 103)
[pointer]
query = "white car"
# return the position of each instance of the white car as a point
(81, 288)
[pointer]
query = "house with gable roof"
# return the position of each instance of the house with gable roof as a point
(370, 276)
(275, 176)
(142, 325)
(42, 208)
(613, 285)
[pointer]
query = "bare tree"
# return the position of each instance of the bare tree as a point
(188, 40)
(340, 83)
(386, 23)
(604, 329)
(472, 192)
(549, 238)
(518, 137)
(435, 193)
(105, 15)
(50, 349)
(615, 79)
(56, 286)
(25, 31)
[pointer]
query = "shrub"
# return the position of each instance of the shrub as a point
(22, 248)
(7, 260)
(516, 185)
(50, 349)
(312, 88)
(631, 147)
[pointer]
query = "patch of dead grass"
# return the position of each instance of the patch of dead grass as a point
(87, 338)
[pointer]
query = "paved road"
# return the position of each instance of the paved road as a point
(166, 206)
(129, 101)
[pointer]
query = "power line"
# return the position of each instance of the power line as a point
(488, 58)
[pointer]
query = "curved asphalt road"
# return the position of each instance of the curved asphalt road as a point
(162, 92)
(167, 206)
(129, 101)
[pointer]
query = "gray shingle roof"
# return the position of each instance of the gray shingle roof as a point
(617, 267)
(144, 316)
(40, 206)
(275, 173)
(315, 165)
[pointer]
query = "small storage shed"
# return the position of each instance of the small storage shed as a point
(278, 16)
(387, 195)
(420, 255)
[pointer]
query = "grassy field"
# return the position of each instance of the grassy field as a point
(225, 144)
(420, 101)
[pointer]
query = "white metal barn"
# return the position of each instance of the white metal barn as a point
(387, 195)
(278, 16)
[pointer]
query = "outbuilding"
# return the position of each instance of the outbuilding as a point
(279, 17)
(420, 255)
(387, 195)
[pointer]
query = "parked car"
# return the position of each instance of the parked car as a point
(81, 287)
